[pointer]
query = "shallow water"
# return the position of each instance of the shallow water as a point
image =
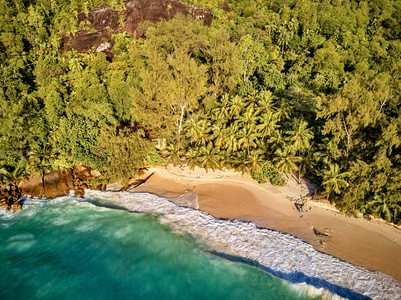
(68, 249)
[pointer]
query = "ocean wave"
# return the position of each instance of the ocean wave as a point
(280, 254)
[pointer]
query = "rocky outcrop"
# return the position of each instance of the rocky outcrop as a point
(60, 182)
(57, 183)
(81, 174)
(9, 196)
(137, 11)
(104, 22)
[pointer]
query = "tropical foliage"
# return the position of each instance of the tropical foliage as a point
(272, 88)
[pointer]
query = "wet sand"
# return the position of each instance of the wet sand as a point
(372, 244)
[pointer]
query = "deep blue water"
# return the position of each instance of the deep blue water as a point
(66, 249)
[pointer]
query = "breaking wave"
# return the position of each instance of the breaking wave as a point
(280, 254)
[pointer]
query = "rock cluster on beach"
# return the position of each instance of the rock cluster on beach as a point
(9, 196)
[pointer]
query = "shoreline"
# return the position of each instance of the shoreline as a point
(372, 244)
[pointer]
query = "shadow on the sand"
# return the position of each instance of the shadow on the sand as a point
(136, 183)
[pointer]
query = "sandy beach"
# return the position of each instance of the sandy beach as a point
(226, 194)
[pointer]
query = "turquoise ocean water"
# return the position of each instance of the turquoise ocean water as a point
(68, 249)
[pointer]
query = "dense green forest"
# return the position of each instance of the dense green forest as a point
(271, 88)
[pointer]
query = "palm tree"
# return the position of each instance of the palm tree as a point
(293, 26)
(75, 65)
(231, 138)
(203, 131)
(271, 26)
(306, 162)
(283, 111)
(41, 162)
(238, 162)
(265, 102)
(333, 180)
(217, 134)
(249, 117)
(226, 159)
(268, 125)
(286, 161)
(192, 158)
(172, 154)
(276, 141)
(283, 38)
(384, 206)
(254, 161)
(191, 128)
(323, 155)
(252, 98)
(222, 108)
(300, 137)
(248, 137)
(17, 174)
(209, 157)
(236, 105)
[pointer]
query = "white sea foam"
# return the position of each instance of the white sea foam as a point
(20, 243)
(279, 254)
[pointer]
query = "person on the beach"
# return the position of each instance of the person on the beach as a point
(300, 206)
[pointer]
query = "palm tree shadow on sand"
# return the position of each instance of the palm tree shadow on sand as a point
(136, 183)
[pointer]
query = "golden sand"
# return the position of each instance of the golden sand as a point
(372, 244)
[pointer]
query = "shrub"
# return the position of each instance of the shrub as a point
(270, 173)
(154, 158)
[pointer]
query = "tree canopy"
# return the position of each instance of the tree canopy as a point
(298, 88)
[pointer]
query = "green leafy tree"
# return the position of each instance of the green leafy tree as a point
(385, 207)
(347, 113)
(334, 180)
(127, 152)
(253, 55)
(173, 80)
(224, 67)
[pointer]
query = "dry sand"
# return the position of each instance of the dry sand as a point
(372, 244)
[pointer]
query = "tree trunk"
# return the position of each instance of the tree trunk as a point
(180, 121)
(43, 184)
